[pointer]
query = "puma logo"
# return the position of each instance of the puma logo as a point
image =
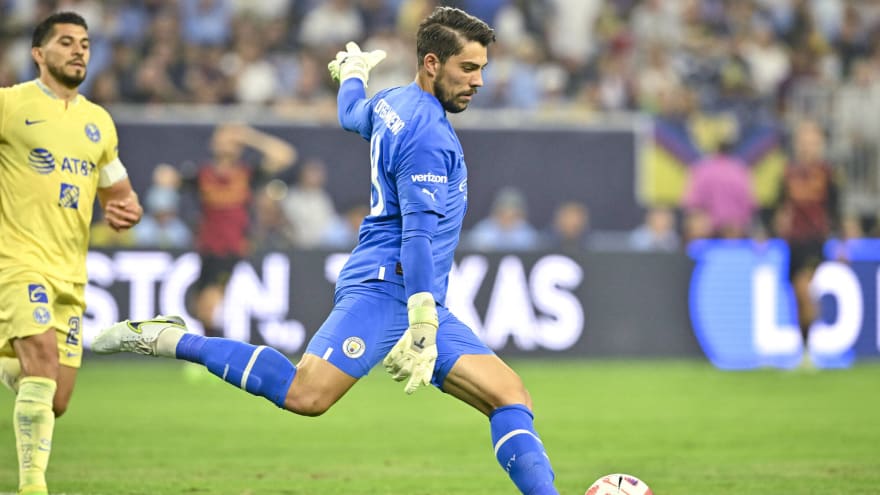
(430, 193)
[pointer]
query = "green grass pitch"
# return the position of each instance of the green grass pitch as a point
(140, 426)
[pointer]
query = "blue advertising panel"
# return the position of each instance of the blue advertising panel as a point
(744, 314)
(863, 258)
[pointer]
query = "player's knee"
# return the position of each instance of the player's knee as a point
(59, 408)
(60, 402)
(308, 404)
(527, 399)
(514, 393)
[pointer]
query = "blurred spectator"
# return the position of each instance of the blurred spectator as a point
(224, 186)
(308, 206)
(255, 78)
(332, 23)
(858, 106)
(271, 232)
(512, 80)
(265, 10)
(696, 225)
(657, 23)
(570, 33)
(161, 227)
(205, 77)
(851, 228)
(206, 22)
(157, 77)
(720, 187)
(379, 16)
(570, 230)
(853, 40)
(657, 80)
(808, 213)
(506, 227)
(395, 70)
(409, 14)
(486, 10)
(657, 233)
(614, 90)
(856, 126)
(343, 231)
(105, 89)
(767, 60)
(303, 79)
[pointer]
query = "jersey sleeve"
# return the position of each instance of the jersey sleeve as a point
(3, 96)
(422, 174)
(354, 108)
(111, 143)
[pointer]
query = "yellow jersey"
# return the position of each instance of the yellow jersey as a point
(51, 153)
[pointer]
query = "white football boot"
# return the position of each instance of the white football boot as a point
(139, 337)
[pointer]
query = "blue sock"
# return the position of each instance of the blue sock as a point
(259, 370)
(519, 450)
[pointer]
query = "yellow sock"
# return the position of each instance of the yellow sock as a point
(10, 372)
(34, 422)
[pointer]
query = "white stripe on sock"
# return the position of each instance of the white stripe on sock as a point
(513, 434)
(247, 369)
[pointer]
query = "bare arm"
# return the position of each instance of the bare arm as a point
(122, 209)
(277, 153)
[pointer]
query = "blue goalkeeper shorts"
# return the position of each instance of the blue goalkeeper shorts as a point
(369, 318)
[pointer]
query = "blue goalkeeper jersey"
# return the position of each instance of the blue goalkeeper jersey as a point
(416, 165)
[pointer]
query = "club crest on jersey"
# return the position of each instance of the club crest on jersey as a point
(42, 315)
(69, 197)
(37, 293)
(93, 133)
(41, 160)
(354, 347)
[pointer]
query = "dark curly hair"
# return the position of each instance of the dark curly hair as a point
(446, 30)
(43, 31)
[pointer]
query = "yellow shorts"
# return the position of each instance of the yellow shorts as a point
(31, 303)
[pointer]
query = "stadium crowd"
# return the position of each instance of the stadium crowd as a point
(725, 81)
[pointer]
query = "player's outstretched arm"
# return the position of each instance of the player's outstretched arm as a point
(122, 209)
(352, 69)
(278, 154)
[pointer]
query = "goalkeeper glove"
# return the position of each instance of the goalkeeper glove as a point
(414, 355)
(354, 63)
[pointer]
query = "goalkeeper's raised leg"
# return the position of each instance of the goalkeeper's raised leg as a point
(259, 370)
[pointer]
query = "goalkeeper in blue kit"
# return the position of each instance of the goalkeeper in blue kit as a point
(390, 296)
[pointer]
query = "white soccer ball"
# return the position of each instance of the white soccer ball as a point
(619, 484)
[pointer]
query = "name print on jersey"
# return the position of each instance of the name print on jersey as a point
(385, 112)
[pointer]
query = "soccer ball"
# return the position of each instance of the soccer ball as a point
(619, 484)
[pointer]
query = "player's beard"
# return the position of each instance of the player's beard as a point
(66, 80)
(447, 100)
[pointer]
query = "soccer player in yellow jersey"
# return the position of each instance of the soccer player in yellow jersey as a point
(58, 152)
